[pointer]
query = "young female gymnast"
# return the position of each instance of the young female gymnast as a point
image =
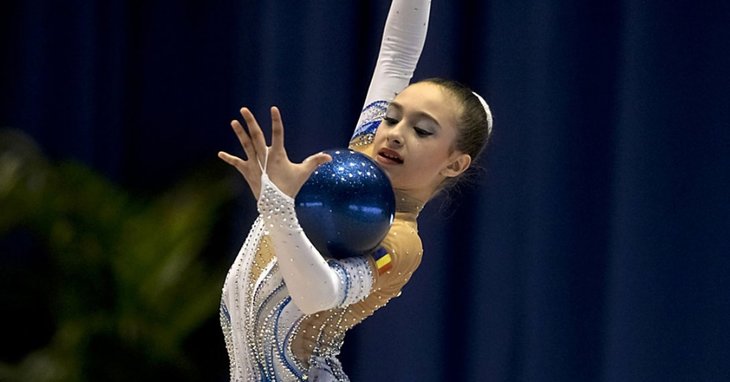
(285, 309)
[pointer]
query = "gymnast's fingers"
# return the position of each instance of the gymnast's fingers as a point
(234, 161)
(277, 129)
(244, 139)
(257, 136)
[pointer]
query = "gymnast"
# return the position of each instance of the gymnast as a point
(285, 308)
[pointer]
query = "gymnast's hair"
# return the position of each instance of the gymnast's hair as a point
(474, 123)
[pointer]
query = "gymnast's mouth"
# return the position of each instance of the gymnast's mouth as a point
(388, 156)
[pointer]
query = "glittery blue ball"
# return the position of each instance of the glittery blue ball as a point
(347, 206)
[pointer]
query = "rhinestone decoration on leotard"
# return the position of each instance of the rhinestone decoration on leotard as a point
(276, 208)
(356, 276)
(370, 119)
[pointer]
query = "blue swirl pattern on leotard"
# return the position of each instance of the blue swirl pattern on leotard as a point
(370, 119)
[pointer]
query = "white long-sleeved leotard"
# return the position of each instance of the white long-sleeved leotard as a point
(285, 309)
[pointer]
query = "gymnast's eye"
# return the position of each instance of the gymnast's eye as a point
(390, 121)
(421, 132)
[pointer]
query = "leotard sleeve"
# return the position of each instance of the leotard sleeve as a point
(403, 39)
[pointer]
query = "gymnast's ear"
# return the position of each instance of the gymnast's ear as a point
(459, 162)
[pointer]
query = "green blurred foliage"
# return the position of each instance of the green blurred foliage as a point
(129, 285)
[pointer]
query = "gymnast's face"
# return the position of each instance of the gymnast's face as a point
(415, 142)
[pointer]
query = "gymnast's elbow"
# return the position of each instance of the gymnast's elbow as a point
(316, 299)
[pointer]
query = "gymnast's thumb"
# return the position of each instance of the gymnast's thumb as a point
(313, 161)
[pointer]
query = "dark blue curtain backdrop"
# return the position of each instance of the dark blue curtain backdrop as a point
(595, 246)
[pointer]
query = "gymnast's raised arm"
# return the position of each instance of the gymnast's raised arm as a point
(403, 38)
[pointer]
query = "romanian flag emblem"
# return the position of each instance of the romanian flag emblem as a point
(383, 260)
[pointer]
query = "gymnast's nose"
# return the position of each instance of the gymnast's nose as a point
(395, 135)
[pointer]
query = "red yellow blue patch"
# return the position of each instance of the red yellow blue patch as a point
(383, 260)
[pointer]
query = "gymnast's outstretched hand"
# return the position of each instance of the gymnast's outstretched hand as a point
(285, 174)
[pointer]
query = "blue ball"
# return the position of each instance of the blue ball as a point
(347, 205)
